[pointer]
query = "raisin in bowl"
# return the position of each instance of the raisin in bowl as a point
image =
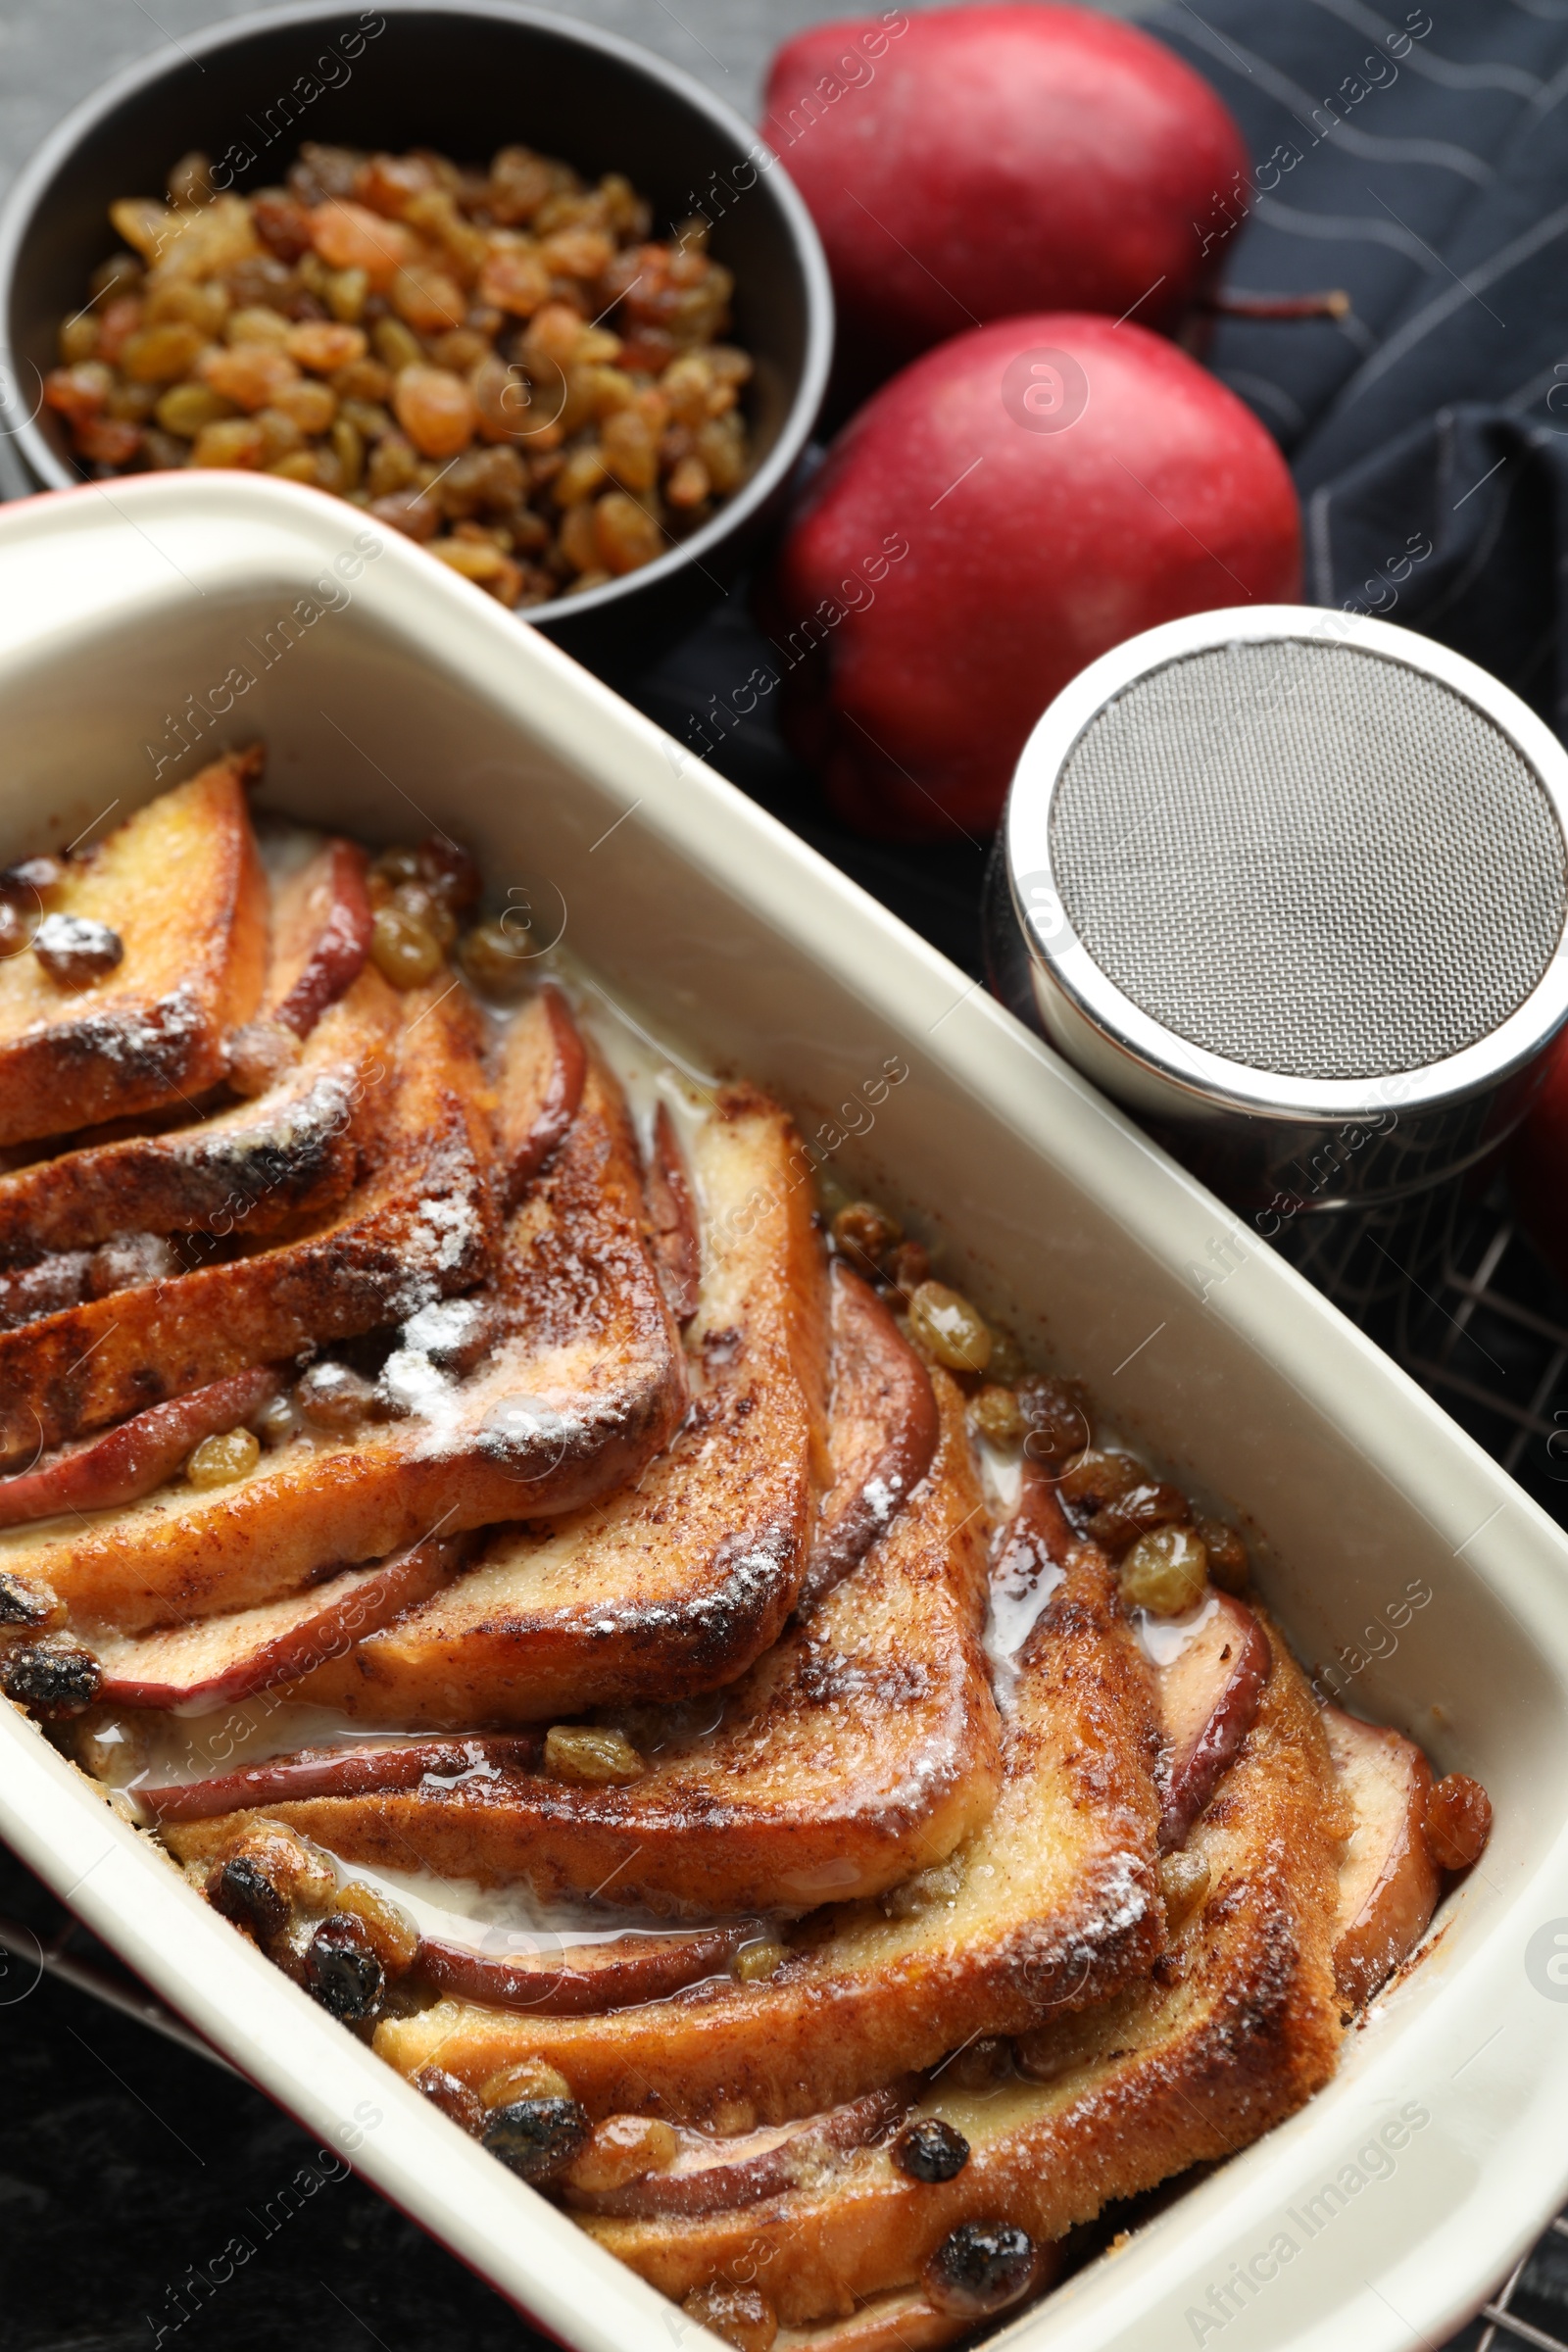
(466, 83)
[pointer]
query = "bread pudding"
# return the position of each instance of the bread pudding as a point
(575, 1590)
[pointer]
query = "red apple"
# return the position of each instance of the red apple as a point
(1011, 506)
(980, 162)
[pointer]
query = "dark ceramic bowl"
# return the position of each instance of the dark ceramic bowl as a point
(465, 79)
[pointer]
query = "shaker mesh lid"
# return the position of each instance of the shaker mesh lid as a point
(1308, 859)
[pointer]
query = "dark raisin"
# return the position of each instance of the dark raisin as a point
(930, 2150)
(244, 1893)
(1144, 1507)
(1057, 1414)
(334, 1398)
(537, 2138)
(907, 1266)
(76, 951)
(980, 2267)
(444, 866)
(453, 2098)
(34, 880)
(341, 1970)
(54, 1679)
(22, 1604)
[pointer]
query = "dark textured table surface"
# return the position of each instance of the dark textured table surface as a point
(127, 2162)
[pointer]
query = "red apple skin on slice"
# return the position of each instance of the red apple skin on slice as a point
(585, 1980)
(216, 1659)
(544, 1067)
(129, 1461)
(1389, 1881)
(321, 936)
(714, 2175)
(1207, 1698)
(359, 1771)
(883, 1428)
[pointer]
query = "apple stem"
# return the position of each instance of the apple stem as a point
(1332, 303)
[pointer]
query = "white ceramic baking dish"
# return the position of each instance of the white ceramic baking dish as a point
(176, 610)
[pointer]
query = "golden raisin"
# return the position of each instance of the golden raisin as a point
(943, 1323)
(498, 962)
(394, 1939)
(628, 536)
(436, 411)
(529, 2079)
(404, 951)
(1165, 1573)
(626, 2147)
(996, 1417)
(756, 1962)
(584, 1753)
(185, 408)
(1458, 1821)
(219, 1461)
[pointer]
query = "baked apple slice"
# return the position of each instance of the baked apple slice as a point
(678, 1583)
(1232, 2033)
(420, 1226)
(1210, 1677)
(862, 1746)
(713, 2174)
(322, 926)
(584, 1385)
(1048, 1906)
(540, 1086)
(131, 1460)
(270, 1163)
(583, 1979)
(1389, 1881)
(121, 1004)
(884, 1433)
(902, 2321)
(193, 1668)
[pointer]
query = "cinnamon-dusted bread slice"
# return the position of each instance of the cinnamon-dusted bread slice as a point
(180, 886)
(253, 1168)
(584, 1383)
(420, 1226)
(677, 1584)
(862, 1746)
(1235, 2029)
(1050, 1905)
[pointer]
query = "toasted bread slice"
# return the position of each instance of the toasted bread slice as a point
(679, 1583)
(862, 1747)
(181, 886)
(1052, 1904)
(1236, 2028)
(255, 1169)
(420, 1226)
(587, 1386)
